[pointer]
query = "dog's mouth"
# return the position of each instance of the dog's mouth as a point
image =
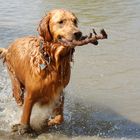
(65, 41)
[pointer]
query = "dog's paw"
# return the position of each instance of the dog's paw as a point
(56, 121)
(23, 130)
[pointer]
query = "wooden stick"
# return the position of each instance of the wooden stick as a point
(86, 39)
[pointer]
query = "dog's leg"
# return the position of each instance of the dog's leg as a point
(18, 92)
(27, 109)
(59, 118)
(18, 89)
(24, 127)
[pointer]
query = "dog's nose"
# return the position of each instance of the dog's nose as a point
(77, 35)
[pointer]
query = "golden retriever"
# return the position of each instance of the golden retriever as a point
(39, 67)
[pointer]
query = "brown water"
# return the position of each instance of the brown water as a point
(103, 97)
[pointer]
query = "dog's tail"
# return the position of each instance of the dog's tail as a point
(3, 53)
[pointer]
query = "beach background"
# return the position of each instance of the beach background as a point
(103, 97)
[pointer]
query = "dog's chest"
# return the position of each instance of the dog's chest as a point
(51, 89)
(51, 97)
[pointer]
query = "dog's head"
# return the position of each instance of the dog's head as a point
(59, 24)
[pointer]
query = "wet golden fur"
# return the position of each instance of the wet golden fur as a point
(23, 60)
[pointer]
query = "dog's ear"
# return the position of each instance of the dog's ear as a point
(44, 29)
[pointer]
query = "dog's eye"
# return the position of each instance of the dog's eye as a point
(75, 21)
(61, 22)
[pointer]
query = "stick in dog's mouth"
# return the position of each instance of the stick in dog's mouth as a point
(93, 39)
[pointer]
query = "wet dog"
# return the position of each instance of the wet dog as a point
(39, 67)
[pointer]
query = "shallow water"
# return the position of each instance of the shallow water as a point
(102, 99)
